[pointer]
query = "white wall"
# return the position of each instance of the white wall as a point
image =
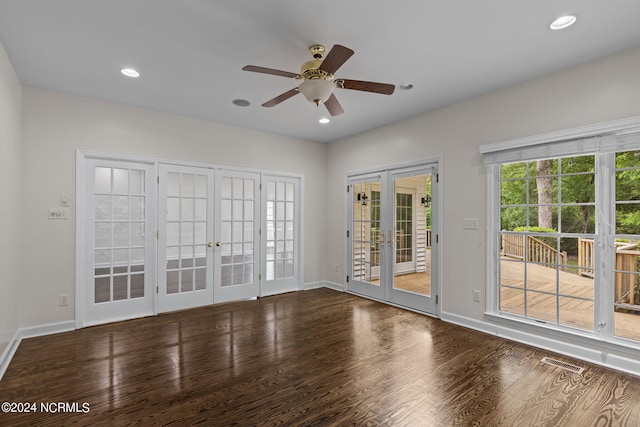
(595, 92)
(56, 125)
(10, 128)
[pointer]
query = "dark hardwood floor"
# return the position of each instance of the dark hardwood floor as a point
(312, 358)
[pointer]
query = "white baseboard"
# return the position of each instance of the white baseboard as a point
(324, 284)
(31, 332)
(332, 285)
(603, 354)
(8, 353)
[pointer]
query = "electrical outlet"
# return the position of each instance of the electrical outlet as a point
(58, 213)
(63, 300)
(476, 295)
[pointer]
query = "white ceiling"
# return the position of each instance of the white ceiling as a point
(190, 52)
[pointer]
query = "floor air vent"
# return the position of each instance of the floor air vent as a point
(559, 364)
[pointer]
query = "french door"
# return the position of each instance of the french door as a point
(118, 257)
(237, 248)
(165, 237)
(391, 250)
(185, 237)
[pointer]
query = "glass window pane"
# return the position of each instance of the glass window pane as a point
(187, 209)
(577, 313)
(289, 191)
(137, 208)
(121, 181)
(271, 190)
(186, 233)
(120, 207)
(121, 234)
(173, 184)
(200, 213)
(226, 275)
(120, 287)
(173, 233)
(542, 306)
(102, 289)
(188, 185)
(238, 188)
(137, 285)
(225, 210)
(248, 211)
(200, 279)
(627, 218)
(186, 282)
(225, 188)
(103, 207)
(136, 182)
(102, 183)
(173, 282)
(237, 210)
(200, 233)
(173, 209)
(225, 234)
(248, 189)
(103, 235)
(201, 186)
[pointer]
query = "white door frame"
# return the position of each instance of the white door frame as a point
(385, 293)
(83, 252)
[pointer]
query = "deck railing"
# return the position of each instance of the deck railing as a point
(525, 247)
(626, 262)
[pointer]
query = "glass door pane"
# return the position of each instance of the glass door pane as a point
(413, 197)
(280, 241)
(367, 237)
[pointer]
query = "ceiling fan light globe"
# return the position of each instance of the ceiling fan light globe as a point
(316, 90)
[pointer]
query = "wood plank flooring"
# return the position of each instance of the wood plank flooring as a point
(312, 358)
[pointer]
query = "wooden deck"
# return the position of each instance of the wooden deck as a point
(576, 308)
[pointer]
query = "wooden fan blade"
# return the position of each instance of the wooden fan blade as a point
(282, 97)
(337, 56)
(383, 88)
(334, 107)
(264, 70)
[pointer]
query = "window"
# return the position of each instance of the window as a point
(547, 216)
(566, 224)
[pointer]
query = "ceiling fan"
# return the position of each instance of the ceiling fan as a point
(318, 80)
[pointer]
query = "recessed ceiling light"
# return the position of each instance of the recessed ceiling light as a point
(406, 86)
(324, 121)
(241, 102)
(130, 72)
(563, 22)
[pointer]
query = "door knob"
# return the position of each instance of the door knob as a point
(218, 243)
(210, 244)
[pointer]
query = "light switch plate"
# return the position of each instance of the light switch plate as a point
(470, 224)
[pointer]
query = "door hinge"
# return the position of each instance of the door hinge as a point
(436, 299)
(347, 234)
(347, 279)
(259, 276)
(347, 188)
(158, 234)
(158, 180)
(157, 290)
(260, 187)
(437, 238)
(437, 177)
(259, 231)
